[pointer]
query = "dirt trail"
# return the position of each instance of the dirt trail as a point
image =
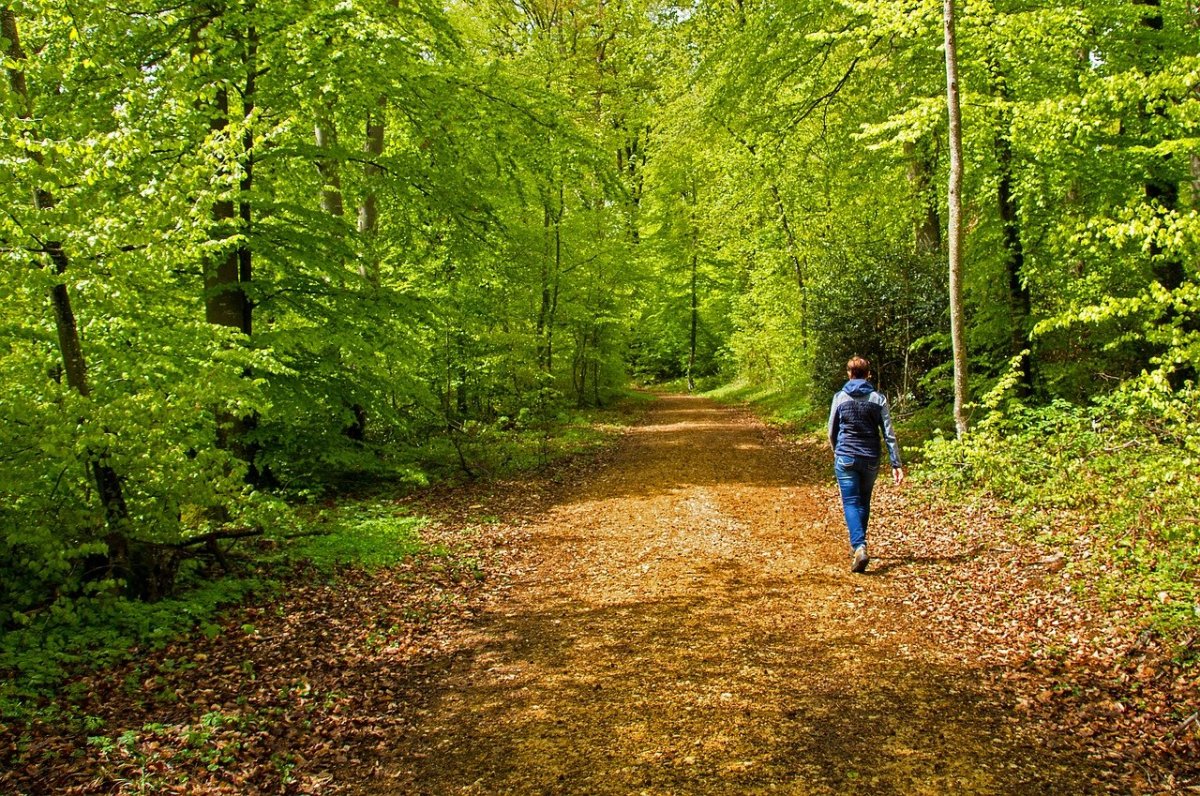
(685, 622)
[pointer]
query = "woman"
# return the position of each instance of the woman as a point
(857, 417)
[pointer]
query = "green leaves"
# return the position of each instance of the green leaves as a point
(191, 142)
(554, 193)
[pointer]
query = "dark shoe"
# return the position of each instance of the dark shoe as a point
(860, 559)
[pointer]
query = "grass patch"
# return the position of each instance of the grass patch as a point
(364, 534)
(790, 407)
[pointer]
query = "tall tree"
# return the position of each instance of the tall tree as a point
(108, 482)
(954, 195)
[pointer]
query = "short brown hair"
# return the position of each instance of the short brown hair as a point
(858, 368)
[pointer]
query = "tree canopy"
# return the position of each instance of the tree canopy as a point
(254, 249)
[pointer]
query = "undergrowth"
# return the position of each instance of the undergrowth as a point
(102, 630)
(791, 407)
(321, 531)
(1116, 484)
(366, 534)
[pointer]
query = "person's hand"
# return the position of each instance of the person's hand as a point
(898, 474)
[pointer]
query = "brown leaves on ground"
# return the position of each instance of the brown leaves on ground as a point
(287, 698)
(673, 616)
(1036, 629)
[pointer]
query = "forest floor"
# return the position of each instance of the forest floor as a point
(673, 616)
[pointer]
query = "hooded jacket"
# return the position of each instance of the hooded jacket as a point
(857, 416)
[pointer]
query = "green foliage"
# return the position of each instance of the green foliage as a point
(462, 285)
(813, 140)
(295, 248)
(43, 644)
(1116, 483)
(214, 741)
(369, 535)
(71, 634)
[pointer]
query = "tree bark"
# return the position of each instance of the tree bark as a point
(794, 256)
(694, 199)
(1161, 190)
(692, 337)
(927, 238)
(245, 207)
(225, 300)
(226, 278)
(631, 160)
(325, 133)
(927, 226)
(1019, 301)
(368, 211)
(551, 270)
(326, 138)
(957, 316)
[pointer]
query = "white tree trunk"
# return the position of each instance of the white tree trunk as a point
(955, 232)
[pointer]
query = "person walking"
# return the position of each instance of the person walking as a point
(858, 415)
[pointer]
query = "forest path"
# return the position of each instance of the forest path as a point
(684, 621)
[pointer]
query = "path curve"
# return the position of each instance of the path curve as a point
(684, 622)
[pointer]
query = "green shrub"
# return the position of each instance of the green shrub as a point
(1119, 478)
(369, 535)
(100, 630)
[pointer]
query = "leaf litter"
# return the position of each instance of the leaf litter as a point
(674, 615)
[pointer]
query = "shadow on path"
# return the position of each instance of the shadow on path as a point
(684, 624)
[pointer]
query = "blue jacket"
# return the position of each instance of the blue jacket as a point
(856, 417)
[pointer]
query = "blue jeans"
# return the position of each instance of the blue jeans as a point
(856, 478)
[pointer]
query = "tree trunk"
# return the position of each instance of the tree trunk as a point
(1194, 158)
(579, 369)
(557, 282)
(108, 482)
(326, 138)
(1161, 189)
(551, 270)
(596, 375)
(325, 133)
(543, 319)
(927, 226)
(462, 374)
(245, 207)
(368, 212)
(1019, 302)
(631, 160)
(1195, 165)
(225, 300)
(957, 316)
(794, 256)
(692, 336)
(927, 241)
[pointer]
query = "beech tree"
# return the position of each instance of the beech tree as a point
(957, 320)
(293, 246)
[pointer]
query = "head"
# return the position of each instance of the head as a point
(858, 368)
